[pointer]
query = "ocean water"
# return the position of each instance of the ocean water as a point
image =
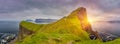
(9, 26)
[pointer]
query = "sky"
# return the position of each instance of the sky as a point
(56, 9)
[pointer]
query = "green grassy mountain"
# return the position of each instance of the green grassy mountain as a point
(67, 30)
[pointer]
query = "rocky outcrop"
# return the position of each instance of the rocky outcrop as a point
(85, 24)
(82, 15)
(23, 32)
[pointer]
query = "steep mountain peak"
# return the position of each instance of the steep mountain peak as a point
(81, 14)
(81, 11)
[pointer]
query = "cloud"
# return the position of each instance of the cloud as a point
(7, 6)
(21, 9)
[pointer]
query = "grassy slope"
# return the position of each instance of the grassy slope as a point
(31, 26)
(65, 31)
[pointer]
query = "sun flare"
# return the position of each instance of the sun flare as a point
(91, 20)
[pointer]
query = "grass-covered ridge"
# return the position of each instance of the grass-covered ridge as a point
(31, 26)
(67, 30)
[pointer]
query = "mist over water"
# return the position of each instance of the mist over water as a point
(113, 28)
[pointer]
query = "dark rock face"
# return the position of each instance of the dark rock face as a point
(107, 37)
(82, 15)
(93, 37)
(23, 32)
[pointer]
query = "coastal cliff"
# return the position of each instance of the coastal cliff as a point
(70, 29)
(23, 32)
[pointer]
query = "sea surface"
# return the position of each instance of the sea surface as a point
(9, 26)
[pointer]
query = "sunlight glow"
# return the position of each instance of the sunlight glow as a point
(91, 20)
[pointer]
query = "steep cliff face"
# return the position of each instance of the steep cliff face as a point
(74, 26)
(23, 32)
(83, 18)
(85, 24)
(82, 15)
(26, 29)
